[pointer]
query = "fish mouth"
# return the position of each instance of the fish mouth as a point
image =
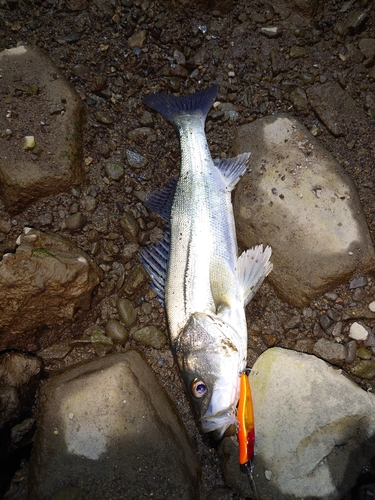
(218, 423)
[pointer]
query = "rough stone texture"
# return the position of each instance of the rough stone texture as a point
(315, 429)
(34, 90)
(43, 283)
(107, 428)
(297, 198)
(19, 377)
(335, 107)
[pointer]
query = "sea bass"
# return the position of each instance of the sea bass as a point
(195, 268)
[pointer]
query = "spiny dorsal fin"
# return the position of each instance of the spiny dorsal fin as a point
(233, 168)
(253, 266)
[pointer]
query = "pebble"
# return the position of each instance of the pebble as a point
(337, 329)
(151, 336)
(138, 39)
(135, 160)
(326, 322)
(137, 276)
(358, 332)
(351, 351)
(104, 118)
(101, 343)
(296, 51)
(371, 306)
(126, 311)
(330, 351)
(364, 353)
(76, 221)
(271, 31)
(358, 282)
(115, 171)
(331, 296)
(292, 322)
(140, 134)
(29, 142)
(130, 227)
(364, 368)
(129, 251)
(116, 331)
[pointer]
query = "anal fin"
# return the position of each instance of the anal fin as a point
(232, 169)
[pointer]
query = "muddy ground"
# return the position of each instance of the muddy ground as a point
(112, 52)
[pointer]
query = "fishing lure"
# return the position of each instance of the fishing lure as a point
(245, 417)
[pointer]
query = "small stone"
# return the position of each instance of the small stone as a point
(296, 51)
(358, 332)
(102, 344)
(126, 311)
(364, 353)
(299, 100)
(364, 368)
(151, 336)
(137, 276)
(292, 322)
(136, 160)
(358, 282)
(337, 329)
(89, 203)
(140, 134)
(57, 109)
(130, 227)
(104, 118)
(330, 351)
(326, 322)
(351, 351)
(138, 39)
(271, 31)
(115, 171)
(29, 142)
(129, 251)
(116, 331)
(76, 221)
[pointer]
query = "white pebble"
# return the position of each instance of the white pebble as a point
(371, 306)
(358, 332)
(268, 474)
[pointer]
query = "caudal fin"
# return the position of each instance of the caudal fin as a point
(253, 266)
(171, 106)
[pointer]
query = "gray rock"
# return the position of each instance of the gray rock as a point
(126, 311)
(42, 284)
(76, 221)
(115, 171)
(59, 167)
(116, 331)
(367, 47)
(151, 336)
(108, 428)
(314, 429)
(335, 107)
(298, 199)
(330, 351)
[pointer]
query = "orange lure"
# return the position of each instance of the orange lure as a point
(245, 416)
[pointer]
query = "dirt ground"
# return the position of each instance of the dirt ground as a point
(112, 52)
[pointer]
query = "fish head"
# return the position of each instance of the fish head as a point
(210, 358)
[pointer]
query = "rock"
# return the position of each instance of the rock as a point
(138, 39)
(116, 331)
(271, 31)
(126, 311)
(358, 332)
(297, 198)
(358, 282)
(19, 378)
(42, 284)
(364, 368)
(130, 227)
(335, 107)
(136, 160)
(100, 427)
(114, 171)
(151, 336)
(314, 428)
(330, 351)
(367, 47)
(76, 221)
(59, 166)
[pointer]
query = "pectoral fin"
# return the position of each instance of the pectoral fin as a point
(253, 266)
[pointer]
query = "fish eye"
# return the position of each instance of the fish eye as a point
(198, 388)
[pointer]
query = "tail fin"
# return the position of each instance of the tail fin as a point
(170, 106)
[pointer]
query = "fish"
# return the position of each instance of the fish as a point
(195, 268)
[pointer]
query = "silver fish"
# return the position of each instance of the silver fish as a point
(196, 269)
